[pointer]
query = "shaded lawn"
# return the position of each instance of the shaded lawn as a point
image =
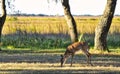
(36, 62)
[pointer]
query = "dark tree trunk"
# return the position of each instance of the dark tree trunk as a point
(102, 29)
(70, 21)
(2, 18)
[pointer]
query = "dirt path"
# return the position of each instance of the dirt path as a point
(39, 63)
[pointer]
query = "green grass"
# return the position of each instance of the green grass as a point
(52, 41)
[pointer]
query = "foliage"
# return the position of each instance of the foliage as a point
(34, 41)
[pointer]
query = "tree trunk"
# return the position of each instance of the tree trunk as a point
(70, 21)
(2, 18)
(102, 29)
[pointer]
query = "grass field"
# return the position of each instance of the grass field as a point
(33, 45)
(54, 25)
(52, 32)
(27, 62)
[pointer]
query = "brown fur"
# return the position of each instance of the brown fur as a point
(71, 49)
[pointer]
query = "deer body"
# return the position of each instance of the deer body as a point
(71, 49)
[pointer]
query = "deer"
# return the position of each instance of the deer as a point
(73, 48)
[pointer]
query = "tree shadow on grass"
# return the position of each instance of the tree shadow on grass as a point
(29, 57)
(106, 60)
(100, 60)
(84, 71)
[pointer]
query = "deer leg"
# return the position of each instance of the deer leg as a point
(71, 59)
(89, 58)
(88, 55)
(65, 59)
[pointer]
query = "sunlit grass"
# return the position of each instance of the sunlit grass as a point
(54, 25)
(50, 63)
(54, 66)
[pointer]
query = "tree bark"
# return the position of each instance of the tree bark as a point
(2, 18)
(70, 21)
(102, 28)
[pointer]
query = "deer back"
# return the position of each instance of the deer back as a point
(77, 46)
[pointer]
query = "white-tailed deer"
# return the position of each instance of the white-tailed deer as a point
(71, 49)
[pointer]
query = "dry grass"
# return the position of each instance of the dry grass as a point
(54, 25)
(49, 63)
